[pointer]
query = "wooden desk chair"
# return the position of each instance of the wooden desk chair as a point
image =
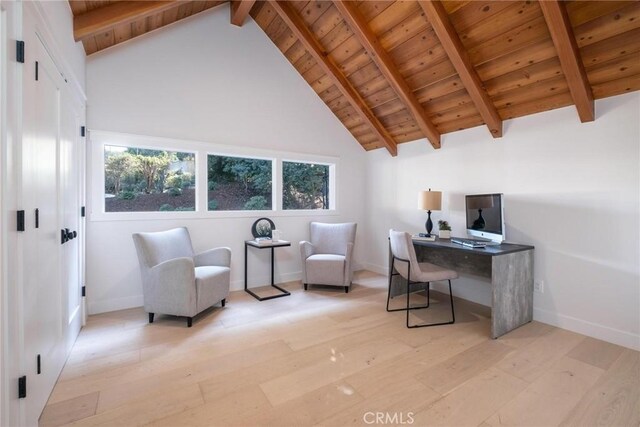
(406, 264)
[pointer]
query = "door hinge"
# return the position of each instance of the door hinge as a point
(20, 221)
(39, 365)
(22, 387)
(20, 51)
(36, 70)
(83, 211)
(84, 291)
(83, 131)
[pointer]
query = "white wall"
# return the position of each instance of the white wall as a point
(571, 189)
(203, 79)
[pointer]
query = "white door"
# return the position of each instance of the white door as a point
(70, 184)
(44, 323)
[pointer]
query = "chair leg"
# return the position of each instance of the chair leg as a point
(346, 289)
(305, 286)
(453, 312)
(151, 317)
(389, 292)
(189, 322)
(425, 325)
(405, 308)
(223, 302)
(428, 296)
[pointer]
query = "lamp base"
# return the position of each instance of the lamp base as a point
(428, 225)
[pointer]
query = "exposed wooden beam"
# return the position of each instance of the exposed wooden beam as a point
(370, 42)
(306, 37)
(446, 33)
(561, 31)
(240, 10)
(105, 18)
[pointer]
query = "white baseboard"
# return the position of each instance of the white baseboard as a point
(601, 332)
(605, 333)
(104, 306)
(380, 269)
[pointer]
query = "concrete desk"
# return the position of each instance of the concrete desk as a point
(508, 266)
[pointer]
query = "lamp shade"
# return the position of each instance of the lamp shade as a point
(430, 200)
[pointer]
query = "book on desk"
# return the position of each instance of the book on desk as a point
(424, 238)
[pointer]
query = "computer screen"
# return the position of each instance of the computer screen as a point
(484, 213)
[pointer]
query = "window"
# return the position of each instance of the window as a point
(144, 180)
(305, 185)
(239, 183)
(136, 177)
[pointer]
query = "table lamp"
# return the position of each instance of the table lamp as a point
(428, 201)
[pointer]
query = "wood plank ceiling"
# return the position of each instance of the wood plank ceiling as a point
(397, 71)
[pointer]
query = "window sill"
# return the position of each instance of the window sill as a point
(143, 216)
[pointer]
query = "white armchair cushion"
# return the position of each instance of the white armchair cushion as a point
(326, 269)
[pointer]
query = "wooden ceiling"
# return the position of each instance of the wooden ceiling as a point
(397, 71)
(100, 24)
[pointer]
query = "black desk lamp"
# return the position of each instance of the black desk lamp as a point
(428, 201)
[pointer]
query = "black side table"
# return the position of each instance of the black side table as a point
(272, 246)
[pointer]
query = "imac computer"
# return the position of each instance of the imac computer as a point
(485, 216)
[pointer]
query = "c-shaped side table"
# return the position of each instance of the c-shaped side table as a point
(272, 246)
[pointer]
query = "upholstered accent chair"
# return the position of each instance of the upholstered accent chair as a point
(326, 260)
(177, 281)
(404, 262)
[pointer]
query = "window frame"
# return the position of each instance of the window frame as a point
(201, 150)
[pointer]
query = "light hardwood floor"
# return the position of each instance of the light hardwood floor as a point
(323, 357)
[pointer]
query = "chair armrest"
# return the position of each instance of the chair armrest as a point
(220, 257)
(348, 270)
(306, 250)
(172, 279)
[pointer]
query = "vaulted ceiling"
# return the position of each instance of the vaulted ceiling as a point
(397, 71)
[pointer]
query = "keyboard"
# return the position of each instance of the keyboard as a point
(470, 243)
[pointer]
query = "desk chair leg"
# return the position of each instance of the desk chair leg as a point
(390, 310)
(391, 274)
(425, 325)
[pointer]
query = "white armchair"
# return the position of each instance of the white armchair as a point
(176, 281)
(326, 260)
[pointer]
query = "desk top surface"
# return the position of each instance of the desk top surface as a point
(493, 250)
